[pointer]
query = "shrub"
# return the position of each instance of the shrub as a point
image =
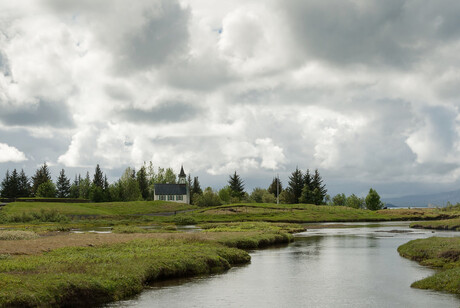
(184, 220)
(208, 198)
(46, 190)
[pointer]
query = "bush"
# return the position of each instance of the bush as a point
(46, 190)
(209, 198)
(184, 220)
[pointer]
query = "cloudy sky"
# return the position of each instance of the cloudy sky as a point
(368, 91)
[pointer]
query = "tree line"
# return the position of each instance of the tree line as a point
(303, 187)
(132, 186)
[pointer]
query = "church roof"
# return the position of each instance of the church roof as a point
(182, 173)
(170, 189)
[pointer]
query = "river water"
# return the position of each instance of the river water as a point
(333, 267)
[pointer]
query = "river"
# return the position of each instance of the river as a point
(333, 267)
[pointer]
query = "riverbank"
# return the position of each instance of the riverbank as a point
(441, 253)
(447, 224)
(88, 269)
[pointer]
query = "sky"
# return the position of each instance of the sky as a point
(367, 92)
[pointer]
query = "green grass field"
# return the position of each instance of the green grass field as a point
(101, 209)
(298, 213)
(139, 212)
(439, 252)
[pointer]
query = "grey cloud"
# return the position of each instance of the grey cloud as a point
(160, 38)
(44, 113)
(4, 65)
(202, 74)
(167, 112)
(395, 33)
(163, 34)
(443, 126)
(119, 93)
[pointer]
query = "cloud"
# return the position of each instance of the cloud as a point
(43, 113)
(166, 112)
(393, 33)
(10, 154)
(364, 91)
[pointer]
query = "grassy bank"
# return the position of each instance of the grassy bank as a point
(90, 275)
(300, 213)
(89, 269)
(442, 253)
(447, 224)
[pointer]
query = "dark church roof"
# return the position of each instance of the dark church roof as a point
(170, 189)
(182, 173)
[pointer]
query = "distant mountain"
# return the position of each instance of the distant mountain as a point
(439, 199)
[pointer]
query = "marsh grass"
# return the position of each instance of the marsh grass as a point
(252, 226)
(447, 224)
(439, 252)
(83, 276)
(10, 235)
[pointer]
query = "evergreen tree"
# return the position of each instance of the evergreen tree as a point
(14, 184)
(6, 185)
(10, 185)
(195, 190)
(273, 189)
(296, 184)
(63, 185)
(319, 189)
(42, 175)
(236, 186)
(98, 178)
(143, 182)
(23, 185)
(307, 195)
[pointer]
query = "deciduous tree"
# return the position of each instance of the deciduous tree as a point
(372, 201)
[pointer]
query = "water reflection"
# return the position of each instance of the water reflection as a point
(353, 267)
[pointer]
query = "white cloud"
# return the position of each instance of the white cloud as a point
(10, 154)
(250, 86)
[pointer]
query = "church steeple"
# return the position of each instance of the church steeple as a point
(182, 176)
